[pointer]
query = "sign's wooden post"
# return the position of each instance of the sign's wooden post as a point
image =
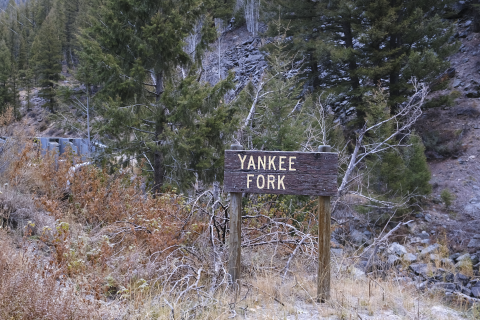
(235, 240)
(323, 272)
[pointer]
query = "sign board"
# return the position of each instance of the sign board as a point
(279, 172)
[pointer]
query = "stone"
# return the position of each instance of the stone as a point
(409, 257)
(468, 23)
(473, 94)
(463, 257)
(476, 236)
(430, 249)
(466, 291)
(397, 249)
(419, 269)
(461, 278)
(252, 58)
(350, 111)
(474, 259)
(412, 227)
(423, 235)
(474, 243)
(455, 256)
(444, 276)
(475, 292)
(445, 286)
(428, 217)
(425, 241)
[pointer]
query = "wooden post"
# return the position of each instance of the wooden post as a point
(235, 238)
(323, 273)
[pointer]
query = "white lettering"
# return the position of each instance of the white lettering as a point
(249, 180)
(242, 160)
(290, 163)
(280, 182)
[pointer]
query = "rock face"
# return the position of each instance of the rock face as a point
(239, 52)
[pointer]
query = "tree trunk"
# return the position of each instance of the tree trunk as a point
(314, 67)
(395, 73)
(158, 166)
(352, 64)
(352, 67)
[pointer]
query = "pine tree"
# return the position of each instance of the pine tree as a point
(418, 173)
(351, 46)
(47, 48)
(136, 47)
(5, 65)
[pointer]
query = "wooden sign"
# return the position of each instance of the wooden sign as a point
(278, 172)
(298, 173)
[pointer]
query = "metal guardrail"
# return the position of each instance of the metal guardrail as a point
(79, 146)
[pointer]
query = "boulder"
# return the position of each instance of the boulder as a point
(463, 257)
(423, 235)
(457, 83)
(466, 291)
(474, 242)
(445, 286)
(420, 269)
(455, 256)
(430, 249)
(397, 249)
(409, 257)
(475, 292)
(474, 259)
(462, 279)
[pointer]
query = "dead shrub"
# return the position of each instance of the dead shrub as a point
(33, 290)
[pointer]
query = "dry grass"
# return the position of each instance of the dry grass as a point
(34, 289)
(98, 247)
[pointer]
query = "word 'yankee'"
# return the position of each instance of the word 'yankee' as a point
(271, 181)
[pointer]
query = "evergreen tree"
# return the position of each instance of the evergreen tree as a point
(47, 49)
(5, 65)
(418, 173)
(395, 172)
(136, 47)
(351, 46)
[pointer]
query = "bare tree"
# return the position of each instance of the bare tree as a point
(368, 141)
